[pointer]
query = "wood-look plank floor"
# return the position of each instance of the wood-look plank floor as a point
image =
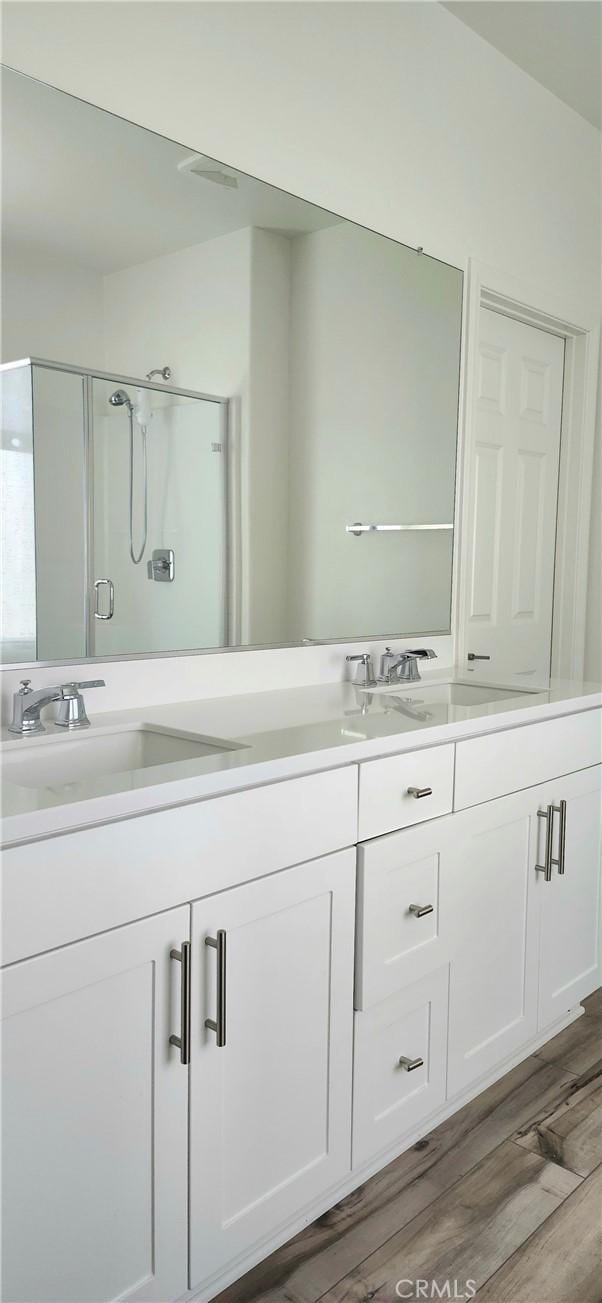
(504, 1198)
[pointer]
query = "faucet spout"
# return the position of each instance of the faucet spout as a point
(27, 706)
(405, 669)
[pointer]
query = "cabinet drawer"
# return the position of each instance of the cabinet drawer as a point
(398, 925)
(399, 1067)
(386, 801)
(505, 762)
(65, 888)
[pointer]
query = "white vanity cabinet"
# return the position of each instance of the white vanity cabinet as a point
(489, 917)
(399, 1064)
(524, 945)
(323, 1030)
(94, 1128)
(270, 1109)
(399, 883)
(570, 901)
(467, 893)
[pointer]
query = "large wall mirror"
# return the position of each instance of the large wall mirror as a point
(229, 418)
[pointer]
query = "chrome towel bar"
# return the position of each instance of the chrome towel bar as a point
(358, 528)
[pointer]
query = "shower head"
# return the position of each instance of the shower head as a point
(120, 399)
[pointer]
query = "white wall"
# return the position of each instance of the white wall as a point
(375, 362)
(188, 310)
(50, 308)
(396, 115)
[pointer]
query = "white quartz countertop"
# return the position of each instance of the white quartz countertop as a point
(280, 734)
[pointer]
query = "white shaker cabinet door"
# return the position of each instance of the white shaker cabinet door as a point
(488, 913)
(94, 1120)
(570, 901)
(270, 1125)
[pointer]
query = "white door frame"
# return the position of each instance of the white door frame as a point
(489, 287)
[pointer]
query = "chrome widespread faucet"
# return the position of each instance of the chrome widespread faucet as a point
(71, 713)
(405, 668)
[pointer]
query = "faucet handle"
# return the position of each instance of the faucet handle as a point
(387, 658)
(364, 677)
(84, 683)
(25, 688)
(72, 710)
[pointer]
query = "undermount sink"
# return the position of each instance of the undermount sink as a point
(66, 760)
(450, 694)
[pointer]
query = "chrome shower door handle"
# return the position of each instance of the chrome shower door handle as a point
(546, 867)
(561, 810)
(97, 587)
(182, 956)
(218, 1024)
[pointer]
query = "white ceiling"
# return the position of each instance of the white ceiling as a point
(80, 184)
(558, 42)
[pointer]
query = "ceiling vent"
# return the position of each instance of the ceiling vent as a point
(197, 165)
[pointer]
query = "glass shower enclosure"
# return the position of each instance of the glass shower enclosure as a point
(115, 515)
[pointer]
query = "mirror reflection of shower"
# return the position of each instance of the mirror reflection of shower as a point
(141, 413)
(74, 589)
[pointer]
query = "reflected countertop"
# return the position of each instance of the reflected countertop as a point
(281, 734)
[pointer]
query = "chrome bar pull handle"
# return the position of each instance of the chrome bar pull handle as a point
(218, 1025)
(419, 792)
(409, 1065)
(476, 656)
(546, 867)
(560, 862)
(97, 587)
(182, 956)
(419, 911)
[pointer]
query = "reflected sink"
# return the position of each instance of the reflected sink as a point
(450, 694)
(77, 758)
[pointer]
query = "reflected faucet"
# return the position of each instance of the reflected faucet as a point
(405, 708)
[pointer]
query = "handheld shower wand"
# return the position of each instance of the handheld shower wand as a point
(122, 399)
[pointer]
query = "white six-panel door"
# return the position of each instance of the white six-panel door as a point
(270, 1111)
(512, 464)
(94, 1127)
